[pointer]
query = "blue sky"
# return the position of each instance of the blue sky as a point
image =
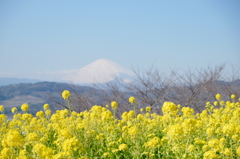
(55, 35)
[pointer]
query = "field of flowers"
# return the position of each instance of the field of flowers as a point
(177, 134)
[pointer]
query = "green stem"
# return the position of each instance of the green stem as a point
(69, 106)
(114, 113)
(134, 108)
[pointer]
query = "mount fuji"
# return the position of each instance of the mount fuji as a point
(99, 71)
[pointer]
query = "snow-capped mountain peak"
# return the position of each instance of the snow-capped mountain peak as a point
(99, 71)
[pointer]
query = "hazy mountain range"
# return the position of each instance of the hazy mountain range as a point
(97, 72)
(8, 81)
(16, 91)
(36, 94)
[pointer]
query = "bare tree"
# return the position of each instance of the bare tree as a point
(152, 88)
(233, 82)
(197, 87)
(193, 89)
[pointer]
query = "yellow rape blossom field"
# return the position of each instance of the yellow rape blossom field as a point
(179, 133)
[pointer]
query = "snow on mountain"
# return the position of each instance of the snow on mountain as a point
(99, 71)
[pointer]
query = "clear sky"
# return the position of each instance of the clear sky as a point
(53, 35)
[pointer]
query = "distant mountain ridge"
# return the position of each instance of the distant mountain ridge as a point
(8, 81)
(36, 94)
(98, 72)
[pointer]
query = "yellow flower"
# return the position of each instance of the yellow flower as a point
(213, 143)
(115, 150)
(179, 106)
(14, 110)
(218, 97)
(148, 109)
(62, 134)
(3, 117)
(40, 114)
(105, 154)
(1, 108)
(42, 150)
(140, 117)
(46, 107)
(71, 144)
(222, 103)
(133, 130)
(13, 139)
(24, 107)
(32, 136)
(66, 94)
(238, 151)
(132, 100)
(6, 152)
(112, 143)
(208, 104)
(210, 155)
(22, 154)
(191, 148)
(215, 103)
(152, 155)
(222, 140)
(199, 141)
(122, 147)
(227, 152)
(187, 112)
(131, 114)
(228, 129)
(114, 105)
(168, 107)
(235, 137)
(48, 112)
(120, 140)
(175, 131)
(233, 96)
(153, 143)
(205, 147)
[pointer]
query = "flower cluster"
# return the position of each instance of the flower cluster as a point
(96, 133)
